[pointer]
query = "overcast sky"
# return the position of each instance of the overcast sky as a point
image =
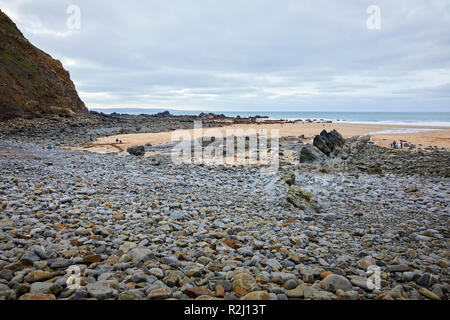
(245, 55)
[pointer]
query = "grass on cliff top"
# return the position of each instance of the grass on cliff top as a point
(8, 27)
(22, 63)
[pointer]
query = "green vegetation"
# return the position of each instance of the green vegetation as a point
(8, 27)
(22, 63)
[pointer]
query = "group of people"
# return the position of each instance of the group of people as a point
(396, 145)
(118, 141)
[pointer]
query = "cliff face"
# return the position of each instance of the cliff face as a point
(32, 83)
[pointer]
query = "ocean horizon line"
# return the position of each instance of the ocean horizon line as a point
(434, 119)
(260, 112)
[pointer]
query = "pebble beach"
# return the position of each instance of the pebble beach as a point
(84, 225)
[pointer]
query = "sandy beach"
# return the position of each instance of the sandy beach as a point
(383, 135)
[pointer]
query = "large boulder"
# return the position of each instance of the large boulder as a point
(321, 143)
(335, 140)
(302, 199)
(329, 142)
(311, 154)
(136, 150)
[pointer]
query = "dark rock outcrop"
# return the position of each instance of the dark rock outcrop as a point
(32, 83)
(163, 114)
(311, 154)
(321, 143)
(329, 142)
(136, 150)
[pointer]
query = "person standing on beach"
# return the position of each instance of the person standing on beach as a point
(395, 144)
(401, 144)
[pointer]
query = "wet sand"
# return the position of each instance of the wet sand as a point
(382, 135)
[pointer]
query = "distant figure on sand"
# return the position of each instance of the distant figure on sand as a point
(401, 144)
(394, 144)
(117, 140)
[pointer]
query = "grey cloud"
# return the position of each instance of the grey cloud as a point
(252, 55)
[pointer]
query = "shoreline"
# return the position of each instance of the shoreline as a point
(382, 135)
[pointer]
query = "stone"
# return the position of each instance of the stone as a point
(130, 295)
(244, 281)
(288, 178)
(439, 291)
(351, 295)
(274, 264)
(361, 282)
(45, 288)
(324, 274)
(171, 261)
(6, 293)
(100, 290)
(366, 262)
(59, 263)
(220, 291)
(197, 292)
(38, 275)
(65, 200)
(334, 139)
(310, 292)
(302, 199)
(207, 298)
(142, 254)
(290, 284)
(23, 288)
(29, 258)
(37, 296)
(257, 295)
(334, 282)
(427, 293)
(160, 293)
(245, 251)
(194, 272)
(231, 244)
(320, 142)
(157, 272)
(139, 276)
(295, 293)
(408, 276)
(92, 258)
(426, 280)
(329, 217)
(172, 279)
(308, 275)
(119, 216)
(136, 150)
(398, 268)
(396, 293)
(6, 274)
(310, 154)
(227, 285)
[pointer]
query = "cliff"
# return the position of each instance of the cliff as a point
(32, 83)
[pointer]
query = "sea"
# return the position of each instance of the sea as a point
(437, 119)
